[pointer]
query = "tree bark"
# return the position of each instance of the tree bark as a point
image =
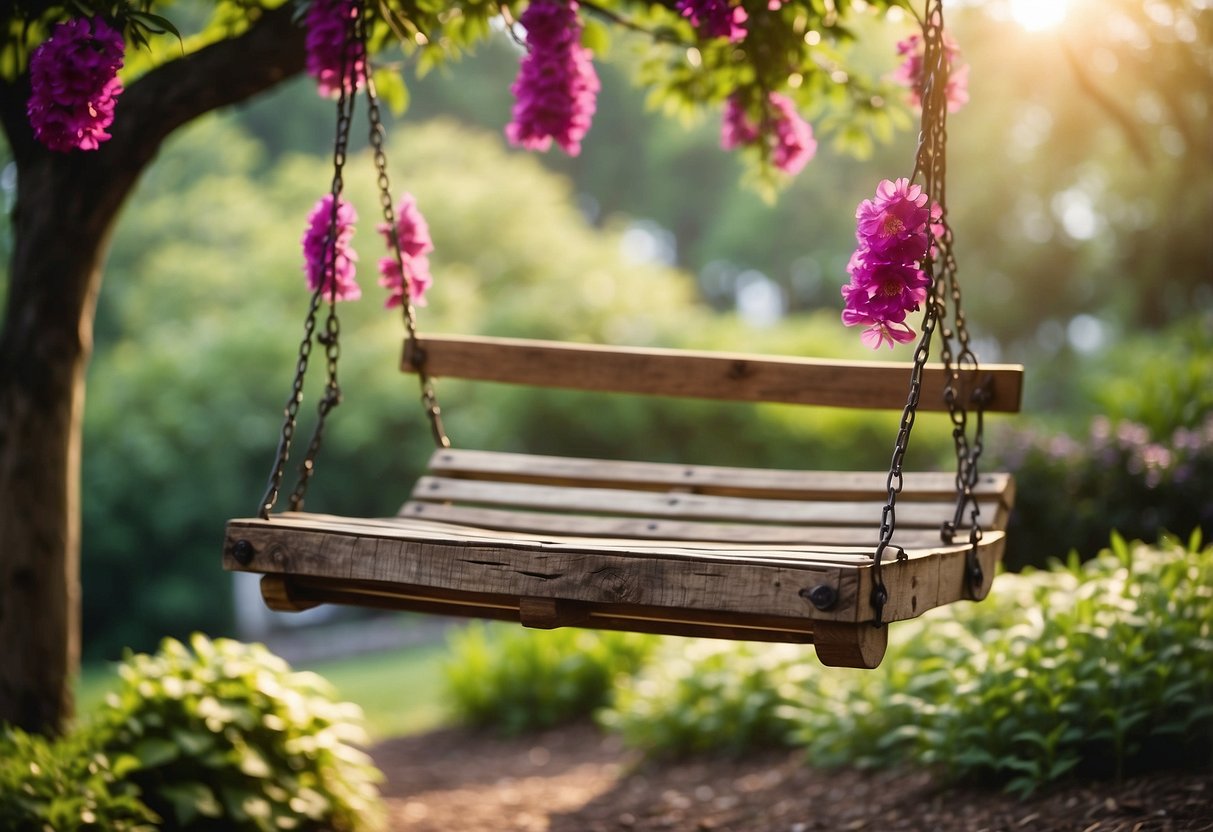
(65, 209)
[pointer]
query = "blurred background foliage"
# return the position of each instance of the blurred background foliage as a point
(1080, 184)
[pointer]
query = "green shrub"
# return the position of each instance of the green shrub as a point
(1101, 669)
(226, 737)
(66, 785)
(518, 679)
(1072, 494)
(708, 695)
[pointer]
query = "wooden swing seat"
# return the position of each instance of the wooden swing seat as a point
(770, 555)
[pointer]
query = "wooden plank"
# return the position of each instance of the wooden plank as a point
(407, 529)
(701, 581)
(648, 504)
(572, 573)
(727, 376)
(700, 479)
(739, 534)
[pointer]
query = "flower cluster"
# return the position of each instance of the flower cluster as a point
(411, 271)
(789, 137)
(910, 73)
(328, 26)
(714, 18)
(340, 283)
(74, 84)
(556, 89)
(886, 281)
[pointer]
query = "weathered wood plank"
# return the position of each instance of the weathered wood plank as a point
(611, 501)
(729, 376)
(655, 529)
(700, 479)
(716, 582)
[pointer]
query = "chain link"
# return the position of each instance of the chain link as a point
(330, 337)
(416, 353)
(940, 263)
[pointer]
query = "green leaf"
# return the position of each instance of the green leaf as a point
(156, 751)
(391, 89)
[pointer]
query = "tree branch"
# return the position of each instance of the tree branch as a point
(227, 72)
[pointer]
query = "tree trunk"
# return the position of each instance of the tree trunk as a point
(66, 206)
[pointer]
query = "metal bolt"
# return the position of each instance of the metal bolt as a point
(822, 596)
(243, 552)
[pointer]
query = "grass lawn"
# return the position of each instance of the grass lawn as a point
(401, 691)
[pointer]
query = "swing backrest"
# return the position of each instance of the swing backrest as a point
(880, 385)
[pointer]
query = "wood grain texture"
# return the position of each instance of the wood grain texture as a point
(702, 580)
(686, 373)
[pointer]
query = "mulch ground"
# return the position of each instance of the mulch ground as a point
(574, 779)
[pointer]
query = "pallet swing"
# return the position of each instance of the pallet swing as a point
(827, 558)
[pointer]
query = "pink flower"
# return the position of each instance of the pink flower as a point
(411, 271)
(881, 291)
(793, 144)
(886, 280)
(736, 129)
(74, 84)
(893, 226)
(556, 89)
(714, 18)
(788, 136)
(910, 73)
(328, 24)
(340, 283)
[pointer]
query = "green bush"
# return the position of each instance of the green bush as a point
(66, 785)
(708, 695)
(1071, 494)
(226, 737)
(519, 680)
(1102, 669)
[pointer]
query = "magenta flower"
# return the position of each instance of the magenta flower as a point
(74, 84)
(793, 145)
(788, 136)
(328, 23)
(556, 89)
(886, 281)
(910, 73)
(893, 226)
(714, 18)
(736, 129)
(411, 271)
(340, 283)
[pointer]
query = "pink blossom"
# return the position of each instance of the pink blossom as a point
(910, 73)
(340, 284)
(884, 291)
(74, 84)
(893, 226)
(714, 18)
(793, 144)
(788, 136)
(328, 25)
(886, 279)
(556, 89)
(411, 271)
(736, 129)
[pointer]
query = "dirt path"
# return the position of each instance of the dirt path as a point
(575, 780)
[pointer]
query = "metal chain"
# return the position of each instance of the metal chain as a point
(330, 337)
(416, 354)
(940, 263)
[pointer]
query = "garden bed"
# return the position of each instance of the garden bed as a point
(574, 779)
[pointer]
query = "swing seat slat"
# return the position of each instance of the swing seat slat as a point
(653, 547)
